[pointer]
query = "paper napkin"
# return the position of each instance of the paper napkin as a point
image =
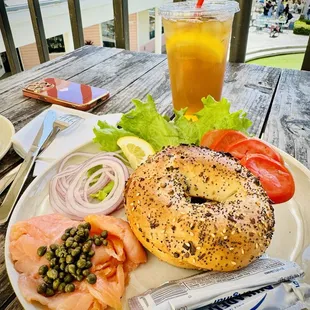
(65, 142)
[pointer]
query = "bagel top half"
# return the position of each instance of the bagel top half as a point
(196, 208)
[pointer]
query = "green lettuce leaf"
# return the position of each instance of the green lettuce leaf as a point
(93, 170)
(216, 115)
(103, 193)
(187, 129)
(145, 122)
(107, 136)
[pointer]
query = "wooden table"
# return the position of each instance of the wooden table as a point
(277, 101)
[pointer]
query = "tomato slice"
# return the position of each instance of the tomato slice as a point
(214, 136)
(222, 143)
(276, 180)
(209, 137)
(253, 146)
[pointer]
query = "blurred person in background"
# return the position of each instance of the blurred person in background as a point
(267, 8)
(287, 13)
(280, 8)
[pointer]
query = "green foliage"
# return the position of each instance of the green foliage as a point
(302, 27)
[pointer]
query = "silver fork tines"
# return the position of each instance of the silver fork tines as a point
(62, 123)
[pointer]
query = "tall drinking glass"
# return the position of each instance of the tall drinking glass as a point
(197, 41)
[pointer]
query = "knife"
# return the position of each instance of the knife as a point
(15, 189)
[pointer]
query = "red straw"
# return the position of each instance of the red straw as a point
(199, 4)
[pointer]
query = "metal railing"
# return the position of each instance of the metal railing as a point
(121, 26)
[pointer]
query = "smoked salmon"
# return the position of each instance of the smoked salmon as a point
(111, 263)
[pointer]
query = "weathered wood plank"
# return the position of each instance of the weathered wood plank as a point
(248, 87)
(5, 287)
(63, 67)
(251, 89)
(114, 74)
(288, 126)
(155, 82)
(14, 305)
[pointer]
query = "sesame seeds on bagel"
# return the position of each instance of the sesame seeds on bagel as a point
(200, 209)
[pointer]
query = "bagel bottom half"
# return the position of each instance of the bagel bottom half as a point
(199, 209)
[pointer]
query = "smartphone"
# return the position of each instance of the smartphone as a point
(66, 93)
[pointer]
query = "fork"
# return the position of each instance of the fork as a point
(64, 122)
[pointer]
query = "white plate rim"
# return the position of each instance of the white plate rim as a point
(10, 268)
(12, 129)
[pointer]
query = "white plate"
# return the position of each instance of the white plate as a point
(7, 131)
(290, 241)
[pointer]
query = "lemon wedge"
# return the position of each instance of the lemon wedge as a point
(135, 149)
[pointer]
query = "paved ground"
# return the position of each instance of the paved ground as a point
(260, 40)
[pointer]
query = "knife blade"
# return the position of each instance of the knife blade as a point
(15, 189)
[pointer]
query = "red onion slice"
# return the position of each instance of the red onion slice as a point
(71, 188)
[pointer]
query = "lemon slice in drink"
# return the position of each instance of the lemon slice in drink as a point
(135, 149)
(196, 46)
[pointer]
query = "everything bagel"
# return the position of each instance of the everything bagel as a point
(199, 209)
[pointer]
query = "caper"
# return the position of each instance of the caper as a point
(81, 263)
(72, 268)
(49, 255)
(83, 256)
(70, 251)
(53, 262)
(73, 231)
(47, 280)
(52, 274)
(98, 242)
(74, 245)
(86, 233)
(91, 253)
(69, 288)
(43, 270)
(85, 272)
(56, 284)
(86, 248)
(56, 267)
(80, 278)
(79, 271)
(67, 268)
(105, 242)
(87, 225)
(61, 275)
(76, 251)
(80, 226)
(62, 260)
(104, 234)
(41, 250)
(80, 232)
(69, 242)
(68, 230)
(61, 287)
(69, 259)
(54, 247)
(91, 278)
(65, 236)
(62, 266)
(77, 238)
(96, 236)
(68, 278)
(88, 264)
(41, 289)
(61, 252)
(49, 292)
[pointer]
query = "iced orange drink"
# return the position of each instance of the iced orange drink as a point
(197, 42)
